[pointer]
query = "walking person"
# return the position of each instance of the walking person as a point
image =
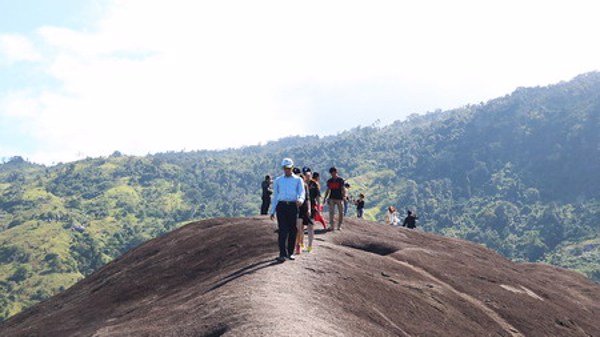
(360, 206)
(410, 221)
(304, 214)
(335, 198)
(288, 196)
(314, 193)
(267, 190)
(347, 198)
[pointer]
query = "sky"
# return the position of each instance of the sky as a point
(85, 78)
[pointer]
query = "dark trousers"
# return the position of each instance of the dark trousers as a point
(266, 202)
(287, 214)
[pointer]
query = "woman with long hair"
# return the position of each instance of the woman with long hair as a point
(391, 217)
(314, 193)
(304, 215)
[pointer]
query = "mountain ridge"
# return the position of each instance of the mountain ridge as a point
(218, 277)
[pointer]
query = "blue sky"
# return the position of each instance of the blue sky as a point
(27, 15)
(86, 78)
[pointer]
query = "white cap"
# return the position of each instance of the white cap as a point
(287, 163)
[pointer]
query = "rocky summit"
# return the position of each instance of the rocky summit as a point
(218, 277)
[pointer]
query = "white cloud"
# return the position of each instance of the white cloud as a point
(166, 75)
(15, 48)
(20, 104)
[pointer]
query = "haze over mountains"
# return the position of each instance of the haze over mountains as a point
(218, 277)
(518, 174)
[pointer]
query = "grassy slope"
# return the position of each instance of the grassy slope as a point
(45, 239)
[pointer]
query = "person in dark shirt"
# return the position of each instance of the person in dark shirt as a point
(267, 190)
(410, 221)
(314, 192)
(335, 195)
(304, 213)
(360, 205)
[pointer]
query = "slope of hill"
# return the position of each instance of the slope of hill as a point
(218, 278)
(518, 174)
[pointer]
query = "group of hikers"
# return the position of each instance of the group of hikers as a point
(391, 218)
(296, 203)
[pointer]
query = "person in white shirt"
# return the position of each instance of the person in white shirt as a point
(288, 196)
(391, 217)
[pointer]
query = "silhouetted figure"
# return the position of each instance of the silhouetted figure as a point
(267, 190)
(410, 221)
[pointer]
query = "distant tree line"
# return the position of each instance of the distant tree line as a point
(517, 174)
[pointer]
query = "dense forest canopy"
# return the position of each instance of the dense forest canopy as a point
(518, 174)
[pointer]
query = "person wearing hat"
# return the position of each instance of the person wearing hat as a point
(288, 196)
(335, 195)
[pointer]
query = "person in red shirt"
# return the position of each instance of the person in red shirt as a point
(334, 197)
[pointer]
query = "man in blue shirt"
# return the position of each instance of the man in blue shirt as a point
(288, 195)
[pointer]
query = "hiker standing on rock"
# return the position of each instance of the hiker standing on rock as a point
(314, 193)
(410, 221)
(335, 195)
(305, 213)
(347, 198)
(360, 205)
(267, 190)
(288, 196)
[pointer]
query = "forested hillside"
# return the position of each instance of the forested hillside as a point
(518, 174)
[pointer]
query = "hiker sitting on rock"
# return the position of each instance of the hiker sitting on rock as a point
(392, 216)
(410, 221)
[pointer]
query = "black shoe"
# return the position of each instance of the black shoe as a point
(280, 259)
